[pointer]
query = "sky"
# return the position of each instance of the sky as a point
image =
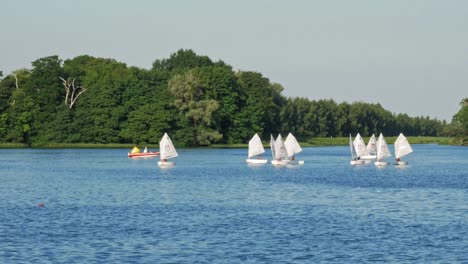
(409, 56)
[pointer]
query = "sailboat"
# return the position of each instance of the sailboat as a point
(371, 150)
(361, 150)
(402, 148)
(167, 151)
(272, 147)
(355, 160)
(280, 155)
(382, 151)
(292, 148)
(255, 149)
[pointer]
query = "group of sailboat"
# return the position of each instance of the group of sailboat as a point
(283, 152)
(377, 150)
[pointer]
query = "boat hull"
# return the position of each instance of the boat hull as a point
(357, 162)
(139, 155)
(296, 162)
(280, 162)
(369, 157)
(381, 163)
(256, 161)
(166, 163)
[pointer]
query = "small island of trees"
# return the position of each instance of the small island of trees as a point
(196, 100)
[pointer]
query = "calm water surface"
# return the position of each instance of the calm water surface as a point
(102, 207)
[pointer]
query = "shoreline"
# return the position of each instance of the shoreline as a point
(312, 142)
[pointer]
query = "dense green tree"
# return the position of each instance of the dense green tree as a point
(219, 83)
(462, 115)
(190, 99)
(260, 106)
(196, 100)
(7, 86)
(181, 61)
(459, 125)
(149, 106)
(45, 88)
(99, 113)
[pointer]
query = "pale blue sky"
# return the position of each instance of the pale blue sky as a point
(409, 55)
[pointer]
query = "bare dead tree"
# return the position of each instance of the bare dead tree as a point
(16, 81)
(72, 91)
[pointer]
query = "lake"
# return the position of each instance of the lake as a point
(102, 207)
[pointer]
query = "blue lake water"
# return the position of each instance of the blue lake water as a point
(102, 207)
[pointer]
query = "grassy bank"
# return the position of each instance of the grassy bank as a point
(334, 141)
(13, 145)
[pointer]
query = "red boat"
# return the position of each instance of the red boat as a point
(143, 154)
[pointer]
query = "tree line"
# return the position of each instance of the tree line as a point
(196, 100)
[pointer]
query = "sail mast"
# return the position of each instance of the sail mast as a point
(272, 146)
(351, 147)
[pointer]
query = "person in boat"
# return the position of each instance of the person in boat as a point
(164, 160)
(135, 150)
(398, 159)
(259, 157)
(292, 158)
(146, 150)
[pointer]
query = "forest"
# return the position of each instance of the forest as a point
(195, 100)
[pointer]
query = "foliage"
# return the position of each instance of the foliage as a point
(460, 123)
(196, 100)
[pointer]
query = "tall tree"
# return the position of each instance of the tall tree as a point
(190, 99)
(148, 103)
(461, 119)
(181, 61)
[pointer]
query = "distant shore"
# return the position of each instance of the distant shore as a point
(313, 142)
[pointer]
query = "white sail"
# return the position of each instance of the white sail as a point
(382, 148)
(280, 148)
(371, 146)
(352, 149)
(166, 148)
(272, 146)
(255, 146)
(360, 146)
(292, 146)
(402, 146)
